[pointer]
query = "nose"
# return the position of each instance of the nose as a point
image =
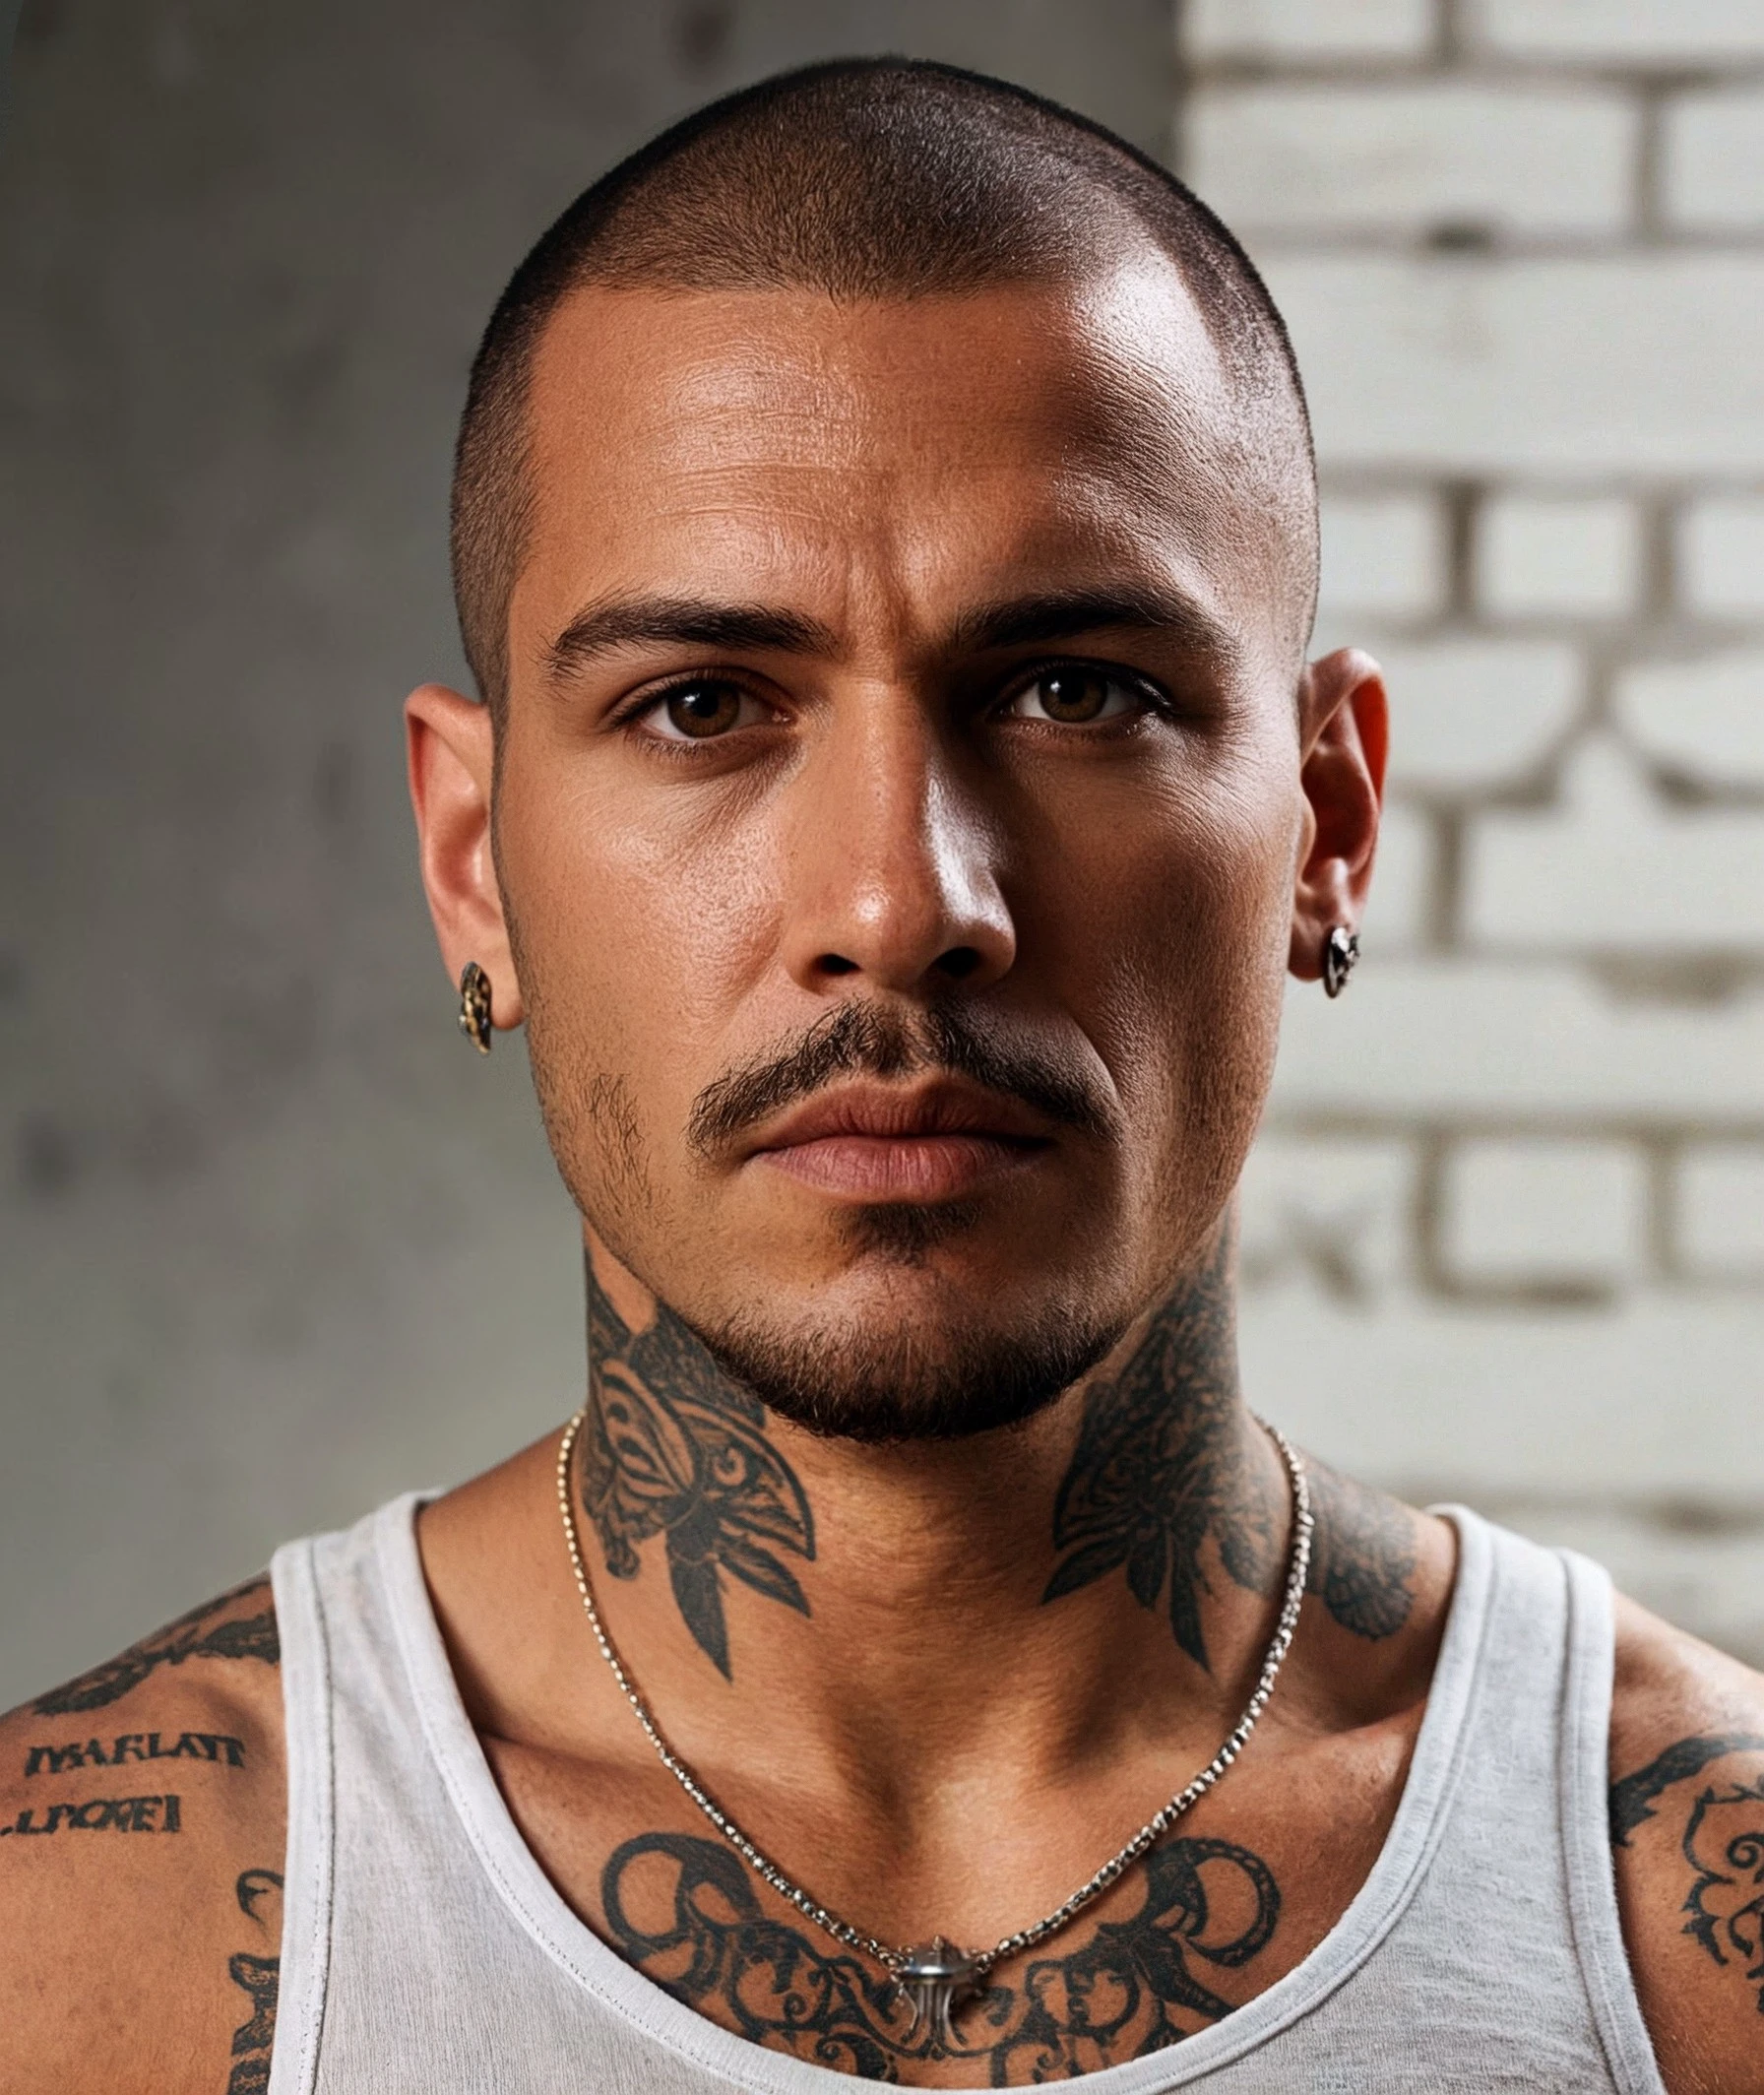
(894, 867)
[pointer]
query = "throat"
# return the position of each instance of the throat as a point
(1092, 1574)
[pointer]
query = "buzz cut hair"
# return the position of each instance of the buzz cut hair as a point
(863, 178)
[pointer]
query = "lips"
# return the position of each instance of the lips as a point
(879, 1143)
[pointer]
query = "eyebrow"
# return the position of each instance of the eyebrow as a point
(1063, 615)
(1022, 621)
(682, 621)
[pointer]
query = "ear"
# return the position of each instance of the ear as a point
(452, 759)
(1344, 738)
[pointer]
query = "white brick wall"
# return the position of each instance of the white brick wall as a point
(1602, 33)
(1719, 1211)
(1557, 1219)
(1504, 1234)
(1721, 556)
(1479, 711)
(1386, 554)
(1577, 555)
(1531, 363)
(1400, 158)
(1309, 28)
(1701, 716)
(1712, 153)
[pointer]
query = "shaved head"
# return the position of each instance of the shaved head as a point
(871, 180)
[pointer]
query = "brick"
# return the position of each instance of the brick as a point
(1644, 361)
(1657, 1391)
(1326, 1216)
(1469, 714)
(1612, 870)
(1383, 555)
(1718, 1200)
(1467, 1041)
(1607, 31)
(1525, 1213)
(1405, 159)
(1712, 161)
(1307, 28)
(1397, 912)
(1575, 556)
(1703, 719)
(1721, 554)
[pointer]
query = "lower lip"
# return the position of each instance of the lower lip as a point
(901, 1166)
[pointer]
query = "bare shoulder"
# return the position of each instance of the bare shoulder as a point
(142, 1830)
(1687, 1831)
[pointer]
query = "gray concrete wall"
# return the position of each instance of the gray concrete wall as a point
(273, 1241)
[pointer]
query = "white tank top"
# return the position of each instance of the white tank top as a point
(424, 1949)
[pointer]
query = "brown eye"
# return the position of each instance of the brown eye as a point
(696, 712)
(1075, 697)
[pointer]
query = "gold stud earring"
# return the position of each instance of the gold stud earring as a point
(474, 1006)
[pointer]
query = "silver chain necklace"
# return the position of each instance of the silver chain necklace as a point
(936, 1976)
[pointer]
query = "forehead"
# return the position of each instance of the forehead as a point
(759, 442)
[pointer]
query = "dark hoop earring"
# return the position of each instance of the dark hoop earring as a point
(474, 1006)
(1341, 955)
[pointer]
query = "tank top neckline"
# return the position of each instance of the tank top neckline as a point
(459, 1758)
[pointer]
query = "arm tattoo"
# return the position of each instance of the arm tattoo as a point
(672, 1447)
(259, 1977)
(219, 1749)
(122, 1814)
(1632, 1798)
(1722, 1845)
(251, 1636)
(1131, 1987)
(1160, 1465)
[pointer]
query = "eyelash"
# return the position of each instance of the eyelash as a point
(1150, 695)
(1153, 699)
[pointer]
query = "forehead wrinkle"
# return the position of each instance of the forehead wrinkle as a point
(1149, 449)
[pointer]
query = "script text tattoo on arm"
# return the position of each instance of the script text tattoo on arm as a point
(1131, 1987)
(1158, 1467)
(101, 1815)
(249, 1636)
(217, 1749)
(1719, 1830)
(671, 1448)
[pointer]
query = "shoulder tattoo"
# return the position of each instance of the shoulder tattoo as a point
(196, 1635)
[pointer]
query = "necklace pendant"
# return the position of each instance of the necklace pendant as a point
(937, 1978)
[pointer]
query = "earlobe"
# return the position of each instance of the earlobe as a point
(451, 758)
(1344, 731)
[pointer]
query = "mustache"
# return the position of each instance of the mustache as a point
(863, 1039)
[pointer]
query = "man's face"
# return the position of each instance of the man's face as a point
(897, 810)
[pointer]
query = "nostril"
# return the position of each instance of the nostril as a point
(959, 962)
(835, 964)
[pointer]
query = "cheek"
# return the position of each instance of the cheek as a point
(1189, 1004)
(639, 934)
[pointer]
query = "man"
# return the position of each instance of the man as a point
(885, 541)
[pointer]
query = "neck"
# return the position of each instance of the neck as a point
(1121, 1549)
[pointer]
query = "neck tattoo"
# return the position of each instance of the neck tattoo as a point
(936, 1976)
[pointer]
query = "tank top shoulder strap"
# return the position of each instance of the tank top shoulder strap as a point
(328, 1610)
(1585, 1829)
(1527, 1846)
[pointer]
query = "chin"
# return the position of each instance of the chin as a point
(888, 1371)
